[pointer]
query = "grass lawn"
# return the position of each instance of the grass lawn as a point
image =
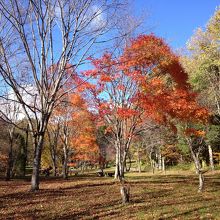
(159, 196)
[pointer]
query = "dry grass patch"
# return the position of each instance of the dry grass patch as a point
(152, 197)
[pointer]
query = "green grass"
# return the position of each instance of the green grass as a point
(161, 196)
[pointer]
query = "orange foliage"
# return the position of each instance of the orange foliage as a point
(151, 55)
(145, 62)
(126, 112)
(83, 139)
(194, 132)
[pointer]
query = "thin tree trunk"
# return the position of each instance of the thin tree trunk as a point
(125, 192)
(211, 163)
(159, 161)
(163, 164)
(117, 164)
(10, 155)
(128, 167)
(9, 164)
(198, 166)
(201, 181)
(54, 158)
(200, 174)
(25, 152)
(138, 161)
(54, 166)
(153, 165)
(35, 180)
(53, 140)
(121, 169)
(122, 164)
(124, 189)
(65, 160)
(120, 161)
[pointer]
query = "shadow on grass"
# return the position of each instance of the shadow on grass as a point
(186, 214)
(95, 198)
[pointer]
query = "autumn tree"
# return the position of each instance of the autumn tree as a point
(168, 102)
(132, 88)
(37, 37)
(202, 64)
(83, 140)
(117, 110)
(113, 98)
(178, 106)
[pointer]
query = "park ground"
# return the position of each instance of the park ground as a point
(160, 196)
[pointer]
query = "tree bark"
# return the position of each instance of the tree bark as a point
(10, 155)
(54, 164)
(201, 181)
(138, 161)
(159, 161)
(198, 166)
(54, 158)
(65, 161)
(128, 165)
(9, 164)
(163, 164)
(153, 165)
(117, 163)
(35, 179)
(120, 161)
(53, 136)
(25, 152)
(211, 163)
(125, 192)
(200, 174)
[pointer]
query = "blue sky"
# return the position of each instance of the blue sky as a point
(176, 20)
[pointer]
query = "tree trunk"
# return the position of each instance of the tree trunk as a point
(54, 166)
(25, 152)
(199, 172)
(153, 165)
(54, 159)
(117, 164)
(198, 166)
(38, 142)
(159, 161)
(53, 140)
(211, 163)
(120, 161)
(128, 165)
(9, 164)
(121, 169)
(125, 192)
(139, 161)
(163, 164)
(65, 160)
(201, 181)
(10, 155)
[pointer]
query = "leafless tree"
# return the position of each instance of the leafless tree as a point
(40, 40)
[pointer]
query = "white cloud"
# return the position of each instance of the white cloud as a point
(13, 109)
